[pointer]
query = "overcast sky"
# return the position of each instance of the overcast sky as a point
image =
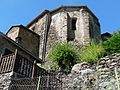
(13, 12)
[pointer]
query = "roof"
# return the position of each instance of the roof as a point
(106, 34)
(57, 9)
(24, 28)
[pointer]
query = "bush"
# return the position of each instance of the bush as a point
(64, 54)
(50, 65)
(112, 45)
(92, 53)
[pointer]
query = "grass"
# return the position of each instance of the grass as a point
(92, 53)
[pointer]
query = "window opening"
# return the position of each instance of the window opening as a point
(71, 27)
(33, 28)
(73, 23)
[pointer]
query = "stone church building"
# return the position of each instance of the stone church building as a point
(66, 23)
(32, 42)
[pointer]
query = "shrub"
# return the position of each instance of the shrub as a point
(50, 65)
(92, 53)
(112, 45)
(64, 54)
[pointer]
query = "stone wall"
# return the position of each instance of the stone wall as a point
(5, 80)
(13, 33)
(61, 27)
(94, 29)
(30, 41)
(100, 76)
(40, 28)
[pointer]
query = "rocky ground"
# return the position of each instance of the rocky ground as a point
(105, 75)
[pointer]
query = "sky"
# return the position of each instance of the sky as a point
(14, 12)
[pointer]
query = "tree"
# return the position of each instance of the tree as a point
(112, 45)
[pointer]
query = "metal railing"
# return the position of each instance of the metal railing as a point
(38, 83)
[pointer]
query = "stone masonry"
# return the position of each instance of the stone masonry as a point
(75, 24)
(67, 23)
(100, 76)
(25, 38)
(5, 80)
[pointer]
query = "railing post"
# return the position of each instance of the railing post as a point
(0, 62)
(38, 85)
(48, 78)
(33, 69)
(14, 59)
(0, 57)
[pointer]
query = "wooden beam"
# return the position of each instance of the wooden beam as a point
(33, 70)
(48, 79)
(14, 58)
(0, 57)
(38, 85)
(0, 62)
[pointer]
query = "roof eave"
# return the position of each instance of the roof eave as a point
(38, 17)
(22, 27)
(57, 9)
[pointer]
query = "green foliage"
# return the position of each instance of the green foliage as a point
(50, 65)
(92, 53)
(113, 44)
(64, 54)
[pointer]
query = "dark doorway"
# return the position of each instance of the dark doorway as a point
(71, 27)
(73, 23)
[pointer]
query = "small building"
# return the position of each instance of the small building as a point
(25, 38)
(19, 56)
(105, 36)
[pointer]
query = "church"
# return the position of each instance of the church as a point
(23, 47)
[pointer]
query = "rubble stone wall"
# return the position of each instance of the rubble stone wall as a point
(105, 75)
(5, 80)
(40, 29)
(61, 27)
(13, 33)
